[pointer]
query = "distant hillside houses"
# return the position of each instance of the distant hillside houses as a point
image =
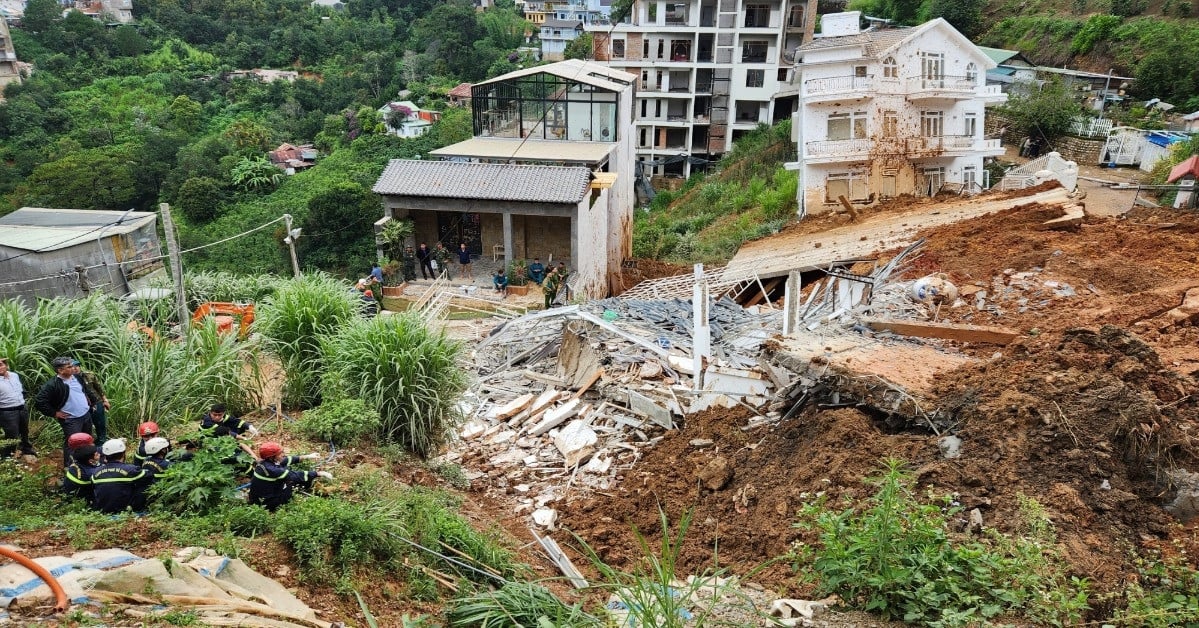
(405, 119)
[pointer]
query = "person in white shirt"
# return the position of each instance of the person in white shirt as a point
(64, 398)
(14, 416)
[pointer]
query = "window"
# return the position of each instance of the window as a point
(859, 71)
(618, 48)
(932, 123)
(755, 78)
(795, 16)
(661, 48)
(969, 176)
(890, 124)
(644, 107)
(890, 68)
(971, 72)
(971, 125)
(847, 126)
(932, 68)
(852, 185)
(645, 47)
(757, 15)
(754, 51)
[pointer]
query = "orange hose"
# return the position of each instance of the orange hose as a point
(60, 597)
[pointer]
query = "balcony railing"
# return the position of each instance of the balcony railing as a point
(944, 84)
(951, 143)
(838, 148)
(837, 84)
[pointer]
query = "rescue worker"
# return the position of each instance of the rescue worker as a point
(217, 422)
(118, 484)
(155, 459)
(145, 432)
(273, 482)
(77, 476)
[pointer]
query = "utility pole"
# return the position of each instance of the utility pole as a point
(291, 244)
(168, 227)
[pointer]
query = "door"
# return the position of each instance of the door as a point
(456, 227)
(934, 178)
(932, 69)
(887, 184)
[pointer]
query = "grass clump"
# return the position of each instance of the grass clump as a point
(340, 422)
(517, 605)
(896, 558)
(1166, 594)
(406, 371)
(294, 320)
(333, 537)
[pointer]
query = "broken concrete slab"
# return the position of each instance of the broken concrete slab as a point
(555, 416)
(648, 408)
(945, 331)
(576, 442)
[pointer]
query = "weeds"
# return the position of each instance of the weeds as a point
(202, 484)
(331, 537)
(341, 422)
(1167, 594)
(896, 558)
(517, 605)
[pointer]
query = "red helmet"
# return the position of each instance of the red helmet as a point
(269, 449)
(80, 439)
(149, 428)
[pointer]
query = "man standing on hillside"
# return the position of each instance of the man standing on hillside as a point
(14, 417)
(64, 399)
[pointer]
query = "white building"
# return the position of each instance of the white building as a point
(889, 112)
(556, 35)
(405, 119)
(709, 71)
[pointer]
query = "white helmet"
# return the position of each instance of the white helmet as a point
(156, 444)
(113, 446)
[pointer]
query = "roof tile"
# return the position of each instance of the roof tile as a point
(493, 182)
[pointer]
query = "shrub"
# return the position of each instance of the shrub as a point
(403, 369)
(202, 484)
(430, 520)
(294, 320)
(896, 558)
(1166, 594)
(331, 537)
(340, 422)
(202, 287)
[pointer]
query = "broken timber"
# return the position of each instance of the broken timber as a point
(946, 331)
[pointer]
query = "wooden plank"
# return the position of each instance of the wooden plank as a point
(770, 285)
(589, 383)
(512, 408)
(846, 204)
(947, 331)
(556, 416)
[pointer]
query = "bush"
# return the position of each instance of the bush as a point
(332, 537)
(294, 320)
(516, 605)
(340, 422)
(202, 484)
(1166, 594)
(896, 558)
(406, 371)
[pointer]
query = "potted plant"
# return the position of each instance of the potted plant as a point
(391, 270)
(518, 277)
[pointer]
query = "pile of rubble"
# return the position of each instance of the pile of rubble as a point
(569, 396)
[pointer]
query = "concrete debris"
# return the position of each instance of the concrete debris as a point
(951, 447)
(1185, 505)
(716, 474)
(792, 612)
(576, 442)
(976, 521)
(545, 517)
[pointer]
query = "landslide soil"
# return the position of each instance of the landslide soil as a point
(1087, 399)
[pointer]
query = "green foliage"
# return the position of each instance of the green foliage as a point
(517, 605)
(337, 231)
(295, 319)
(964, 15)
(333, 537)
(255, 173)
(1128, 8)
(580, 47)
(1047, 112)
(1097, 28)
(202, 287)
(395, 236)
(405, 370)
(200, 198)
(1165, 594)
(341, 422)
(518, 272)
(895, 557)
(202, 484)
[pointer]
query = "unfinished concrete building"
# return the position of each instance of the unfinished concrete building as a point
(890, 111)
(8, 59)
(709, 70)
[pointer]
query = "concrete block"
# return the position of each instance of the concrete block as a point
(576, 441)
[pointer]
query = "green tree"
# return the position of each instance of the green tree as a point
(200, 199)
(127, 42)
(248, 136)
(87, 179)
(255, 173)
(580, 47)
(964, 15)
(337, 230)
(1046, 113)
(185, 113)
(41, 16)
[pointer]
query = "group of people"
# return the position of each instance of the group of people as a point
(102, 474)
(550, 282)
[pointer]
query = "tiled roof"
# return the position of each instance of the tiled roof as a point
(874, 42)
(461, 91)
(493, 182)
(563, 24)
(1190, 166)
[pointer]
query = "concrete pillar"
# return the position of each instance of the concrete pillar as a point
(792, 303)
(508, 244)
(701, 335)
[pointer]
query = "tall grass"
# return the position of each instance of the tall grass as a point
(294, 320)
(202, 287)
(31, 337)
(402, 368)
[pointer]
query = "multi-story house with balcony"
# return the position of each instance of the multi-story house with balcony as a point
(890, 111)
(709, 71)
(564, 22)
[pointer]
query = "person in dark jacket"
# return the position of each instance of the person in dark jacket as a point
(217, 422)
(370, 307)
(65, 398)
(537, 271)
(155, 461)
(464, 265)
(145, 432)
(425, 257)
(77, 476)
(273, 482)
(97, 399)
(118, 485)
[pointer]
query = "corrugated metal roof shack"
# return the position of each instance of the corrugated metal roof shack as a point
(41, 249)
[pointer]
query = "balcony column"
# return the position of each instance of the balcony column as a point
(509, 250)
